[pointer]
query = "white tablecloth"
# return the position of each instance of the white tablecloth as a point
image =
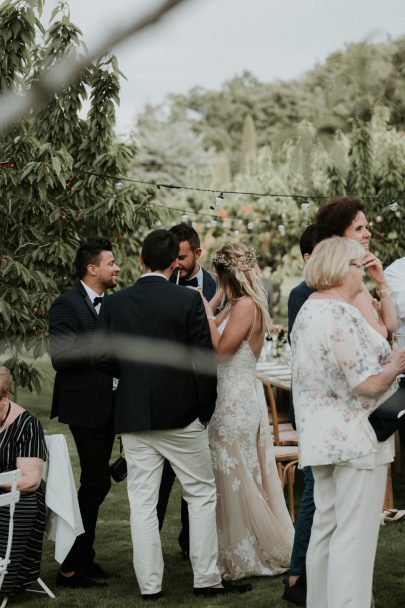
(63, 522)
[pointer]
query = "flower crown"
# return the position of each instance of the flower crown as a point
(242, 262)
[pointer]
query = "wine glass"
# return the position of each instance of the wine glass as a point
(398, 340)
(398, 343)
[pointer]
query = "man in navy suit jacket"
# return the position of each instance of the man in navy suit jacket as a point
(189, 273)
(161, 411)
(83, 399)
(295, 585)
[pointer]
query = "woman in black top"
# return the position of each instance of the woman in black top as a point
(22, 446)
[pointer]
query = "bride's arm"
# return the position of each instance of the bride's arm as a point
(217, 299)
(241, 317)
(213, 321)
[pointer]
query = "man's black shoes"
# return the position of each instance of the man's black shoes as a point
(297, 593)
(218, 591)
(94, 570)
(152, 597)
(76, 581)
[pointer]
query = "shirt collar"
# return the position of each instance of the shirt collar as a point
(153, 274)
(90, 292)
(198, 276)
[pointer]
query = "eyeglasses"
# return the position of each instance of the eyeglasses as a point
(359, 266)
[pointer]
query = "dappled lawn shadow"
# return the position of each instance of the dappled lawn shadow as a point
(114, 547)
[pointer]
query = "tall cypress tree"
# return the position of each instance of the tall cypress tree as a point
(360, 178)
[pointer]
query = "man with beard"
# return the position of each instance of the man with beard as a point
(83, 399)
(190, 273)
(188, 269)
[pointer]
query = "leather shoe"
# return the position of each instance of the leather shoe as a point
(297, 593)
(78, 579)
(152, 597)
(227, 588)
(94, 570)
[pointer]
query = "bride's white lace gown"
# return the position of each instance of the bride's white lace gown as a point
(255, 532)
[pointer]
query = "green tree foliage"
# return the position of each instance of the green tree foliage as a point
(248, 146)
(360, 178)
(58, 179)
(338, 130)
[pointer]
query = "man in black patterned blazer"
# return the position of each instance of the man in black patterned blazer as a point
(83, 399)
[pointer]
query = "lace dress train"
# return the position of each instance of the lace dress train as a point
(255, 532)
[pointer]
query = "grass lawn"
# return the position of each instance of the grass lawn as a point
(114, 549)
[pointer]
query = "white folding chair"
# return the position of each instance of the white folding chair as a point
(8, 499)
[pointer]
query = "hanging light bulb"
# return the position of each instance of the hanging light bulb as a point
(250, 225)
(305, 205)
(379, 219)
(393, 205)
(219, 199)
(281, 229)
(184, 218)
(236, 232)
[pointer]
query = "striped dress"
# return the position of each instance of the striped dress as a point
(23, 438)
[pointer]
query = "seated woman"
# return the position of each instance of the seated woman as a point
(342, 370)
(22, 446)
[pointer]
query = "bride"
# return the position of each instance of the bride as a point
(255, 532)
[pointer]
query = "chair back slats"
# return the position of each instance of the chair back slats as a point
(271, 402)
(9, 498)
(285, 447)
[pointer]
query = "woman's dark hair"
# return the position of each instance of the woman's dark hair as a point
(160, 249)
(185, 232)
(90, 253)
(335, 216)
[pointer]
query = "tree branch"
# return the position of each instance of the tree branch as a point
(14, 105)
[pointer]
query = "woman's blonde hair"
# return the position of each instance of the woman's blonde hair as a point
(5, 381)
(239, 274)
(330, 262)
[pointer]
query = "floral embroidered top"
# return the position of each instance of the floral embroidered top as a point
(334, 350)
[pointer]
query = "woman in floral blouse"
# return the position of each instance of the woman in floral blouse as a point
(342, 370)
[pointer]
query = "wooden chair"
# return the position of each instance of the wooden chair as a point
(283, 432)
(285, 447)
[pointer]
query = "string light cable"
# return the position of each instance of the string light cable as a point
(218, 199)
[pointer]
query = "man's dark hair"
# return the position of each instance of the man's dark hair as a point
(90, 253)
(185, 232)
(160, 249)
(307, 240)
(336, 216)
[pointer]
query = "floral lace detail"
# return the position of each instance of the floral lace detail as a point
(255, 532)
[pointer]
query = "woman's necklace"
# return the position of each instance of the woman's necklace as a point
(7, 415)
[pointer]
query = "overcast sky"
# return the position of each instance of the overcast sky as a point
(206, 42)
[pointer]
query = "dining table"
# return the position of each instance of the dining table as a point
(277, 371)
